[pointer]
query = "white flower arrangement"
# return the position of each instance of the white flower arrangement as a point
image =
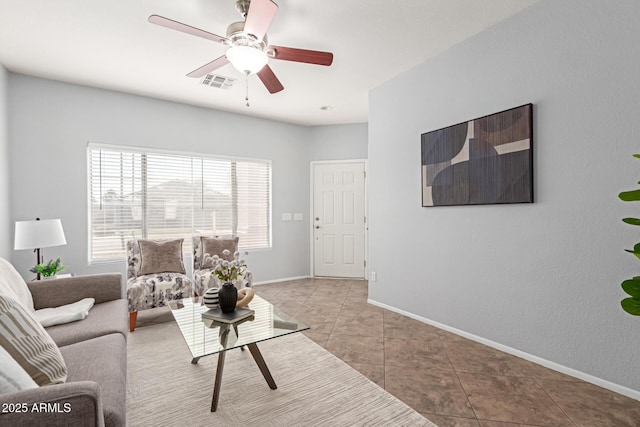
(227, 271)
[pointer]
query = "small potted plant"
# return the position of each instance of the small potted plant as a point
(49, 269)
(227, 271)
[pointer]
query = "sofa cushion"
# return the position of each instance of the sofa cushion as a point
(12, 376)
(103, 319)
(12, 283)
(215, 246)
(160, 257)
(28, 343)
(103, 360)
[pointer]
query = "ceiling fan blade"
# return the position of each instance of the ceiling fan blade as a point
(300, 55)
(270, 80)
(207, 68)
(259, 17)
(179, 26)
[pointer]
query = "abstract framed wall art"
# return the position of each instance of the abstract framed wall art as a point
(488, 160)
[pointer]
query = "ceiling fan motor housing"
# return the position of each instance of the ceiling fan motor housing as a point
(237, 37)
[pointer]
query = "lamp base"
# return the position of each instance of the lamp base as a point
(38, 260)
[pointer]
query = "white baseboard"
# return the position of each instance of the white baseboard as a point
(284, 279)
(634, 394)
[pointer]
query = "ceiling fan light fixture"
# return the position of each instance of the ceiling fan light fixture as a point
(247, 59)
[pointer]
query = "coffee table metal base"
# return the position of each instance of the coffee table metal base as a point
(257, 356)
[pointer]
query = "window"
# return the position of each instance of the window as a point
(157, 195)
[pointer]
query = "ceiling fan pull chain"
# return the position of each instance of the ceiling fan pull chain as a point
(246, 82)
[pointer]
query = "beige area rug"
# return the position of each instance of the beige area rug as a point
(315, 388)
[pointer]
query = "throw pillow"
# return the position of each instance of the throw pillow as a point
(215, 246)
(26, 341)
(11, 283)
(160, 257)
(12, 376)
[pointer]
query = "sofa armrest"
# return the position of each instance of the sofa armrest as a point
(57, 292)
(59, 405)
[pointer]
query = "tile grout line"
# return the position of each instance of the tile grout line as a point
(553, 400)
(455, 371)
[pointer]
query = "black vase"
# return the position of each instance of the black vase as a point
(228, 296)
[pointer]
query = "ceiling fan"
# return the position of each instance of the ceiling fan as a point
(249, 51)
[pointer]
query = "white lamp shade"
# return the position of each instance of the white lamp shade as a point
(39, 234)
(247, 59)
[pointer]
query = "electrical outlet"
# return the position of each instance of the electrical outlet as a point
(374, 276)
(286, 217)
(298, 217)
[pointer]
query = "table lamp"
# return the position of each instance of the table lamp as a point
(38, 234)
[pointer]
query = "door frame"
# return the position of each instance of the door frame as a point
(312, 164)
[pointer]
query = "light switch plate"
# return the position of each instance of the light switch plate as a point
(297, 217)
(286, 217)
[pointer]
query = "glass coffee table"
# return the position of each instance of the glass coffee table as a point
(205, 337)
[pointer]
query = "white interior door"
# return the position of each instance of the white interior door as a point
(339, 219)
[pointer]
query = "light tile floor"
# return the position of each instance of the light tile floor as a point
(452, 381)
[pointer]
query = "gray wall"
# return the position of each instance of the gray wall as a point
(6, 243)
(540, 278)
(339, 142)
(50, 124)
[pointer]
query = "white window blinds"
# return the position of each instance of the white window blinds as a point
(143, 194)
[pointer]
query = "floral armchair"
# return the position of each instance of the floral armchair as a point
(155, 275)
(203, 277)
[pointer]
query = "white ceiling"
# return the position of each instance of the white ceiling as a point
(109, 44)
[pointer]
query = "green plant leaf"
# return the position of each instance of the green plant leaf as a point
(632, 287)
(631, 306)
(635, 251)
(637, 156)
(631, 221)
(630, 196)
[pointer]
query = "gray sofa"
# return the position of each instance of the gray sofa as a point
(94, 350)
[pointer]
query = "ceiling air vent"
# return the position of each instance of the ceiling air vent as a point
(216, 80)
